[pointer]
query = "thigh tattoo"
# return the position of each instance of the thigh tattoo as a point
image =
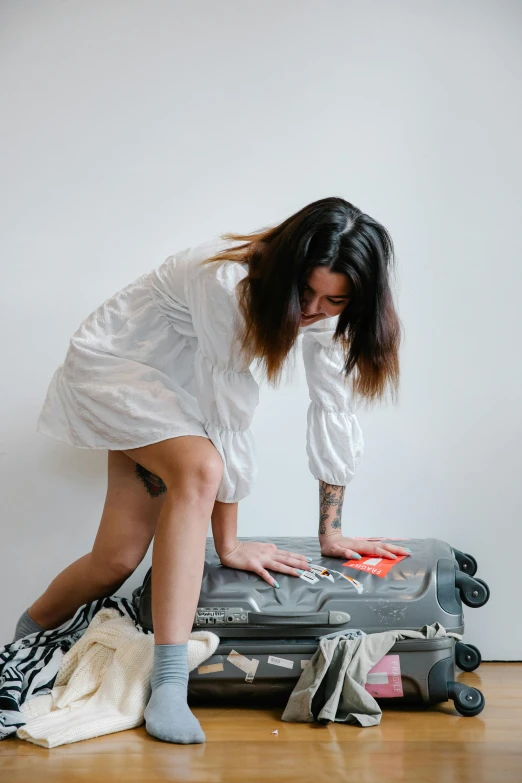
(153, 484)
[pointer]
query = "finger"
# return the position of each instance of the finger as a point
(350, 554)
(398, 550)
(294, 555)
(385, 553)
(276, 565)
(263, 573)
(292, 561)
(383, 550)
(367, 549)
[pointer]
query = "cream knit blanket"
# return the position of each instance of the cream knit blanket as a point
(103, 683)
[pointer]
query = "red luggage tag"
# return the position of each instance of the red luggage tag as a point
(378, 566)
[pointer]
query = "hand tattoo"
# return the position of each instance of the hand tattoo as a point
(331, 496)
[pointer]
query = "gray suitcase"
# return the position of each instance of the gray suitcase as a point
(279, 627)
(420, 671)
(427, 587)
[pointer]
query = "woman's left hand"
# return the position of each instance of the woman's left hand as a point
(352, 548)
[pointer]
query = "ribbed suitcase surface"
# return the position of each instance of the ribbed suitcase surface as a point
(425, 588)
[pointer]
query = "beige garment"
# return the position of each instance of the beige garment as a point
(331, 688)
(103, 683)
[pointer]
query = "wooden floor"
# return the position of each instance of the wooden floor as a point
(413, 745)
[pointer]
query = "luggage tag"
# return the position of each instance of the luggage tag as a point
(309, 577)
(384, 680)
(358, 586)
(378, 566)
(321, 571)
(247, 665)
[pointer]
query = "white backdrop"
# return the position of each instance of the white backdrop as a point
(131, 130)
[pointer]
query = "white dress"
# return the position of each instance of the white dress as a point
(158, 360)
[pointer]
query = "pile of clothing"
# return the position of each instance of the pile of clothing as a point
(89, 677)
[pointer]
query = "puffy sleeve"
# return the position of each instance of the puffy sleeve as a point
(334, 441)
(226, 390)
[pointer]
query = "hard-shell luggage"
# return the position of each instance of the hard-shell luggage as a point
(279, 628)
(418, 671)
(374, 595)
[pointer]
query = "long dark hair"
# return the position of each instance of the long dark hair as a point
(333, 233)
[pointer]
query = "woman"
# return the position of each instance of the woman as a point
(159, 375)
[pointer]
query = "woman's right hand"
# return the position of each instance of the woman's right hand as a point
(257, 557)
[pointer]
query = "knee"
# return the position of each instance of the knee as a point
(200, 480)
(209, 472)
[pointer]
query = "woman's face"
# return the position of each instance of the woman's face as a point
(325, 295)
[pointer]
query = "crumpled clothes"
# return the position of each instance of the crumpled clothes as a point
(28, 667)
(332, 687)
(103, 684)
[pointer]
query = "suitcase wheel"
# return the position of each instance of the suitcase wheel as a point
(474, 592)
(468, 701)
(466, 563)
(467, 657)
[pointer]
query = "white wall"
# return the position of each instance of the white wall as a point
(133, 129)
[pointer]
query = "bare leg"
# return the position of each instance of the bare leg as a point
(126, 529)
(192, 470)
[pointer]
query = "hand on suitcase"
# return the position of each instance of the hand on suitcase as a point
(257, 557)
(339, 546)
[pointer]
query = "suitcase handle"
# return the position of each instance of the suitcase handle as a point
(311, 618)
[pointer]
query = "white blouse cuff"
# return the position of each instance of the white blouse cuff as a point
(334, 445)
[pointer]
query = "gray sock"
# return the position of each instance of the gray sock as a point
(167, 715)
(25, 626)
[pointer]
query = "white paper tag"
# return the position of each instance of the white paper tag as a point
(307, 576)
(241, 661)
(358, 586)
(284, 662)
(377, 678)
(211, 667)
(253, 669)
(321, 571)
(245, 664)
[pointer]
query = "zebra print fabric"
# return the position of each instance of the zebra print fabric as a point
(29, 666)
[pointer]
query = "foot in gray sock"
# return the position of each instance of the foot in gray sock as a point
(25, 626)
(167, 715)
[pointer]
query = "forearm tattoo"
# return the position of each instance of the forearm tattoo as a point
(331, 507)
